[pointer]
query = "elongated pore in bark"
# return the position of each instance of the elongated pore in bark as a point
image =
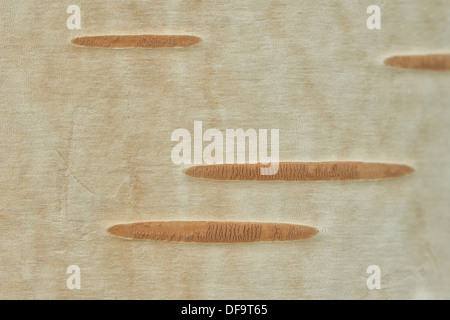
(212, 232)
(302, 171)
(136, 41)
(435, 62)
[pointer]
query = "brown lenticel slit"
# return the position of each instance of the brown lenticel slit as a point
(136, 41)
(212, 231)
(434, 62)
(301, 171)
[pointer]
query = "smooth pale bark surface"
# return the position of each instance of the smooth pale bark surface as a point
(85, 137)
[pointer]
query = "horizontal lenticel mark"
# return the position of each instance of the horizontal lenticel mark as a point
(435, 62)
(212, 232)
(302, 171)
(136, 41)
